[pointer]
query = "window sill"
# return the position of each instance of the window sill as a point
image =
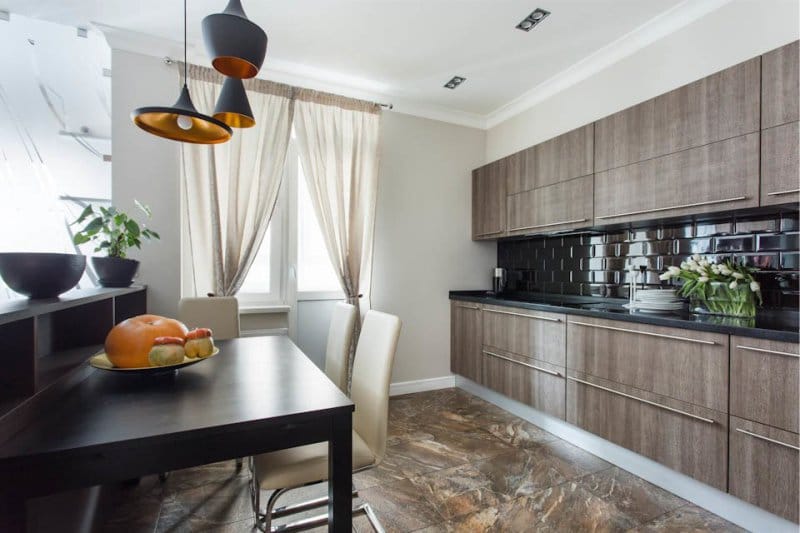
(264, 309)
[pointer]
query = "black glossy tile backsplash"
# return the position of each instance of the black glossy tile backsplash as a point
(598, 264)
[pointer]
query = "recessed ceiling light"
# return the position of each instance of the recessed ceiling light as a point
(454, 82)
(528, 23)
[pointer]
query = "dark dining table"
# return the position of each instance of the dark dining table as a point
(259, 394)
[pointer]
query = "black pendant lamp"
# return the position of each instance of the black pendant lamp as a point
(233, 107)
(182, 122)
(236, 44)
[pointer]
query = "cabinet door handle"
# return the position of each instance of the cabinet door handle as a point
(764, 350)
(780, 193)
(489, 233)
(682, 206)
(762, 437)
(654, 404)
(537, 317)
(648, 333)
(540, 369)
(550, 224)
(464, 306)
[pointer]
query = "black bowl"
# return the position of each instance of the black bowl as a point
(41, 275)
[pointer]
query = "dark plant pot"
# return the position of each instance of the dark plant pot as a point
(41, 275)
(114, 271)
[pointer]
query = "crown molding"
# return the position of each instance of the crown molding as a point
(651, 31)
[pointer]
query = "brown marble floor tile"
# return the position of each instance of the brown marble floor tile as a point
(409, 459)
(401, 507)
(566, 507)
(688, 519)
(515, 431)
(130, 507)
(457, 491)
(639, 499)
(522, 472)
(206, 507)
(189, 478)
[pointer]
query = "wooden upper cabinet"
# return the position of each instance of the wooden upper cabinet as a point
(489, 199)
(780, 164)
(780, 89)
(715, 177)
(562, 158)
(717, 107)
(561, 206)
(465, 339)
(780, 157)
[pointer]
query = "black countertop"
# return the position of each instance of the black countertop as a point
(772, 324)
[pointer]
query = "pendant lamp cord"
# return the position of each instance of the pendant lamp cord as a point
(185, 39)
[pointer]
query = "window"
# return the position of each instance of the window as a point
(293, 238)
(316, 276)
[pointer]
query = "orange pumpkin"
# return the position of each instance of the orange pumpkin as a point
(128, 343)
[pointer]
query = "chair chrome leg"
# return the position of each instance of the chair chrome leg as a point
(371, 516)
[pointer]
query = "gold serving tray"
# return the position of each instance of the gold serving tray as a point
(102, 362)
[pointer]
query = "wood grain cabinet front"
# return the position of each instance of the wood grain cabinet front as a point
(690, 366)
(562, 206)
(535, 383)
(717, 107)
(714, 177)
(687, 438)
(532, 334)
(765, 380)
(780, 164)
(465, 339)
(562, 158)
(780, 86)
(764, 466)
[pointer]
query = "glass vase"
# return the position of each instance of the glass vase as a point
(720, 299)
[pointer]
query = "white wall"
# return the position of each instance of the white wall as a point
(733, 33)
(147, 168)
(422, 236)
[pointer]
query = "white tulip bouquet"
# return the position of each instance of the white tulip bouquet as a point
(723, 288)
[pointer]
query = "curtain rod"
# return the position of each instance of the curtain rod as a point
(169, 61)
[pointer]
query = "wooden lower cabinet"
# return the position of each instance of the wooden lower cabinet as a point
(691, 366)
(465, 339)
(534, 383)
(534, 334)
(765, 382)
(687, 438)
(764, 467)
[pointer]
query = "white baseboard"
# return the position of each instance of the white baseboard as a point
(720, 503)
(421, 385)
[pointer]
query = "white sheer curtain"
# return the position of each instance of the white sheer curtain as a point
(230, 189)
(337, 139)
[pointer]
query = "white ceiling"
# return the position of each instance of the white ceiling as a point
(398, 50)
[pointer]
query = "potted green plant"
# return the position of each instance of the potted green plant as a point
(114, 232)
(725, 288)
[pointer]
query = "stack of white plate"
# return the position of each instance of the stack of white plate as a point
(657, 301)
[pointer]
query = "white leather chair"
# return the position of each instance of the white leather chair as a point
(304, 465)
(220, 313)
(337, 351)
